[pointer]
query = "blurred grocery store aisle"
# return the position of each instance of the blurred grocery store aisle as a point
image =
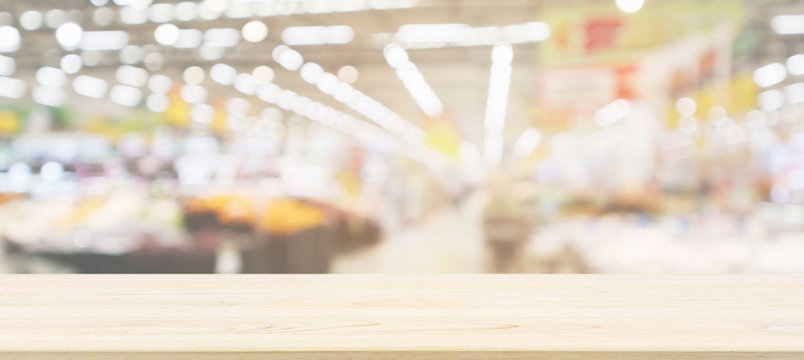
(449, 241)
(599, 136)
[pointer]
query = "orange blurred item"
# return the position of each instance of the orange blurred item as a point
(287, 216)
(236, 210)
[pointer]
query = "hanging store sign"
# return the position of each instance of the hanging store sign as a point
(596, 33)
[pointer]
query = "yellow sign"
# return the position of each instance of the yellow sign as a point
(600, 33)
(178, 112)
(9, 122)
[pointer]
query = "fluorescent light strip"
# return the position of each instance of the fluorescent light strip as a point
(236, 9)
(318, 35)
(422, 36)
(328, 116)
(11, 88)
(496, 105)
(125, 95)
(104, 40)
(51, 76)
(355, 99)
(90, 86)
(788, 24)
(300, 105)
(770, 75)
(307, 108)
(318, 112)
(414, 82)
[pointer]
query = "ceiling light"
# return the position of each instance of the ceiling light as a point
(497, 101)
(139, 4)
(9, 39)
(161, 13)
(90, 86)
(7, 65)
(263, 74)
(205, 13)
(71, 63)
(188, 38)
(133, 16)
(125, 95)
(771, 99)
(166, 34)
(502, 53)
(245, 83)
(795, 65)
(222, 74)
(51, 76)
(193, 75)
(131, 75)
(131, 54)
(788, 24)
(31, 20)
(630, 6)
(157, 103)
(317, 35)
(153, 61)
(186, 11)
(207, 52)
(103, 16)
(194, 94)
(794, 93)
(11, 88)
(55, 17)
(268, 93)
(255, 31)
(348, 74)
(395, 55)
(289, 59)
(160, 84)
(528, 142)
(769, 75)
(414, 81)
(239, 10)
(216, 5)
(221, 37)
(91, 57)
(311, 72)
(536, 30)
(104, 40)
(431, 33)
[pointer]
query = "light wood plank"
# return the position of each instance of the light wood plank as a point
(401, 317)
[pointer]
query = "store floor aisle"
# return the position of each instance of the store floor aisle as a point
(449, 241)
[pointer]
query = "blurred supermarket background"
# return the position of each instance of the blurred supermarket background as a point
(402, 136)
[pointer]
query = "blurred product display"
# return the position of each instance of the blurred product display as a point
(309, 136)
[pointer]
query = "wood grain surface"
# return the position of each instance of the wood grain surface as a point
(401, 317)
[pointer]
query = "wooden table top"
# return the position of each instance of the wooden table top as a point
(401, 317)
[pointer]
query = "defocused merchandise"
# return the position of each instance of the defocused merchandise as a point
(402, 136)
